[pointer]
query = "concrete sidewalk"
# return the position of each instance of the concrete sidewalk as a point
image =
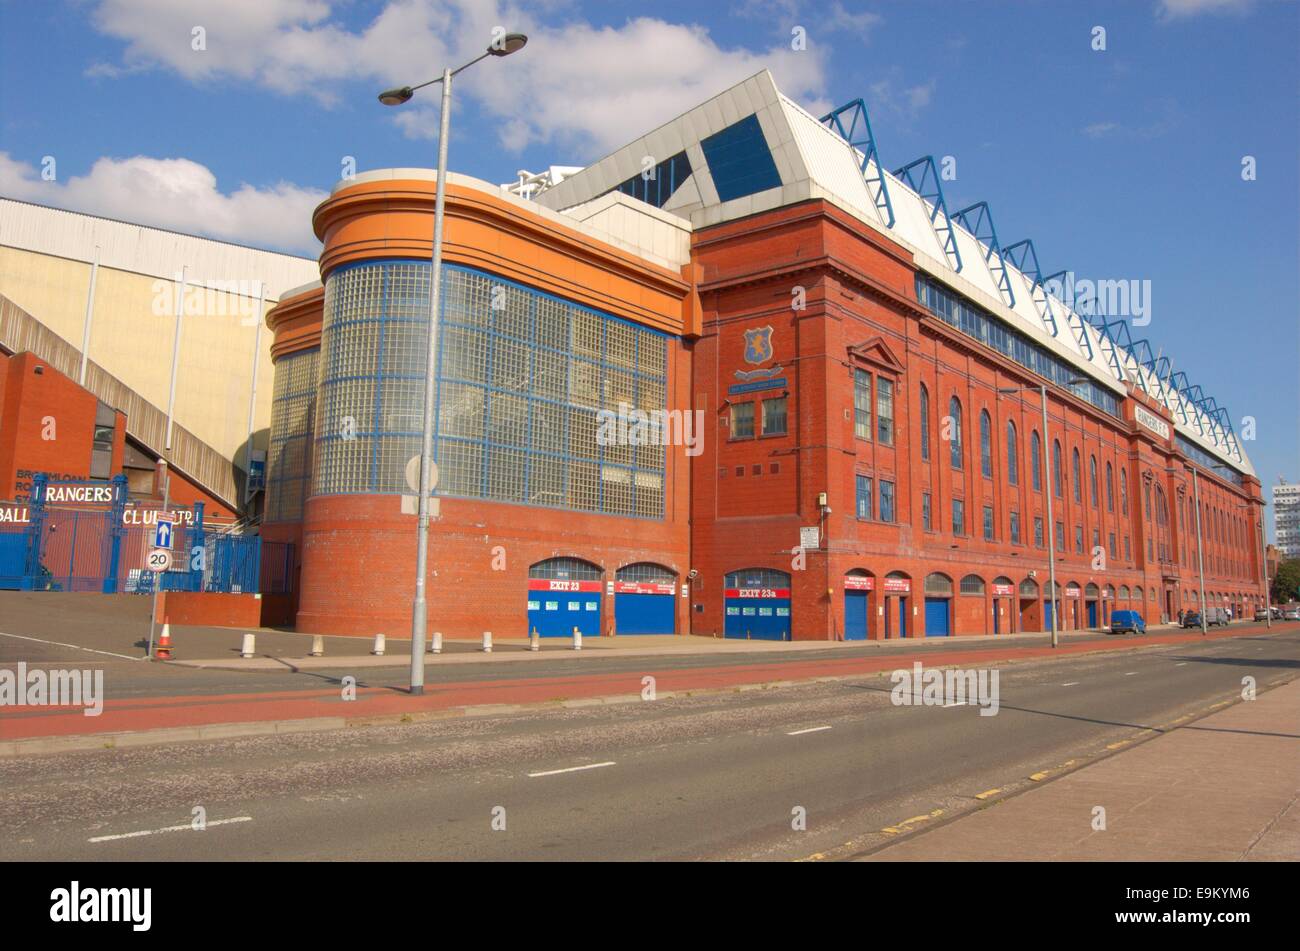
(1224, 788)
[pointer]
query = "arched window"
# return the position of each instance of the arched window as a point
(1036, 460)
(925, 424)
(1076, 472)
(986, 445)
(1123, 491)
(1057, 487)
(938, 584)
(565, 569)
(1110, 488)
(1013, 458)
(954, 447)
(756, 578)
(1029, 589)
(1092, 480)
(1123, 592)
(972, 584)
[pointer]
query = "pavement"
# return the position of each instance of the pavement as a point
(1225, 788)
(807, 770)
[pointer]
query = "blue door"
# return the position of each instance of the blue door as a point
(997, 612)
(1047, 615)
(641, 613)
(902, 617)
(13, 559)
(936, 617)
(1092, 613)
(557, 613)
(758, 619)
(855, 615)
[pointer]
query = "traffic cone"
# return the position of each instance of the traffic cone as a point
(164, 650)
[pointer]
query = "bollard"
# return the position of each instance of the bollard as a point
(577, 639)
(487, 642)
(435, 643)
(378, 649)
(533, 641)
(249, 647)
(317, 646)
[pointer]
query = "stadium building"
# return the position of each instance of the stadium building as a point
(819, 361)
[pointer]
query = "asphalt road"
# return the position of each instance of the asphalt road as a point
(687, 778)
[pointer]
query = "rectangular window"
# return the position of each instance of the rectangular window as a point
(1015, 528)
(1078, 539)
(958, 517)
(886, 501)
(774, 416)
(1038, 531)
(1096, 539)
(742, 420)
(864, 496)
(988, 523)
(861, 404)
(885, 412)
(1060, 536)
(925, 511)
(1128, 551)
(1111, 547)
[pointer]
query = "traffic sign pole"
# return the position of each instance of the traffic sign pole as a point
(157, 580)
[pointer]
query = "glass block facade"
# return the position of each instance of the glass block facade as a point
(293, 407)
(522, 376)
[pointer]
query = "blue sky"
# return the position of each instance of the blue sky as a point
(1122, 163)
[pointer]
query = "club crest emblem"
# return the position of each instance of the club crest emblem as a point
(758, 345)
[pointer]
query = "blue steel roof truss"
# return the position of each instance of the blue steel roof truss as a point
(1111, 344)
(857, 133)
(1025, 258)
(978, 220)
(1071, 313)
(923, 178)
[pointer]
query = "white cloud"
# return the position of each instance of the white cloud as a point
(1099, 129)
(892, 95)
(1181, 9)
(588, 87)
(178, 194)
(861, 23)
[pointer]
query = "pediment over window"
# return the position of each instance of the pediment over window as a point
(875, 352)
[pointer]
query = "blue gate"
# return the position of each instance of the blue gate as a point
(757, 605)
(645, 599)
(555, 608)
(13, 559)
(936, 617)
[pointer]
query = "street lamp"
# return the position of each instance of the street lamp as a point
(1200, 552)
(1048, 491)
(501, 46)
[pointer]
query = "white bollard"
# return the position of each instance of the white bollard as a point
(317, 646)
(378, 649)
(249, 647)
(534, 641)
(577, 639)
(435, 643)
(487, 642)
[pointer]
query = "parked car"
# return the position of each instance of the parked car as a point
(1291, 614)
(1127, 622)
(1217, 617)
(1192, 619)
(1261, 615)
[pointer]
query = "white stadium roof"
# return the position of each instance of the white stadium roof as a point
(809, 160)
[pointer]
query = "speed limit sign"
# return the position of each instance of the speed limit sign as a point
(160, 559)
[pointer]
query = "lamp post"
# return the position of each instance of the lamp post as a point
(1048, 490)
(501, 46)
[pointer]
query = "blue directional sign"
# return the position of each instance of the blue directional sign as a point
(162, 535)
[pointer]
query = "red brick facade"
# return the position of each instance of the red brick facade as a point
(840, 300)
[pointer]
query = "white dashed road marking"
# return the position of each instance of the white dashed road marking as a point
(811, 729)
(571, 769)
(73, 646)
(185, 828)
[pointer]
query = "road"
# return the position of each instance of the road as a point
(710, 777)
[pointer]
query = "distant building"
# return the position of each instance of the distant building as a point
(1286, 519)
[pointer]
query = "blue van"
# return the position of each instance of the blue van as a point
(1127, 622)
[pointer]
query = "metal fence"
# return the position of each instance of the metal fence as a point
(103, 547)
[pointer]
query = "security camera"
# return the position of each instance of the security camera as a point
(693, 573)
